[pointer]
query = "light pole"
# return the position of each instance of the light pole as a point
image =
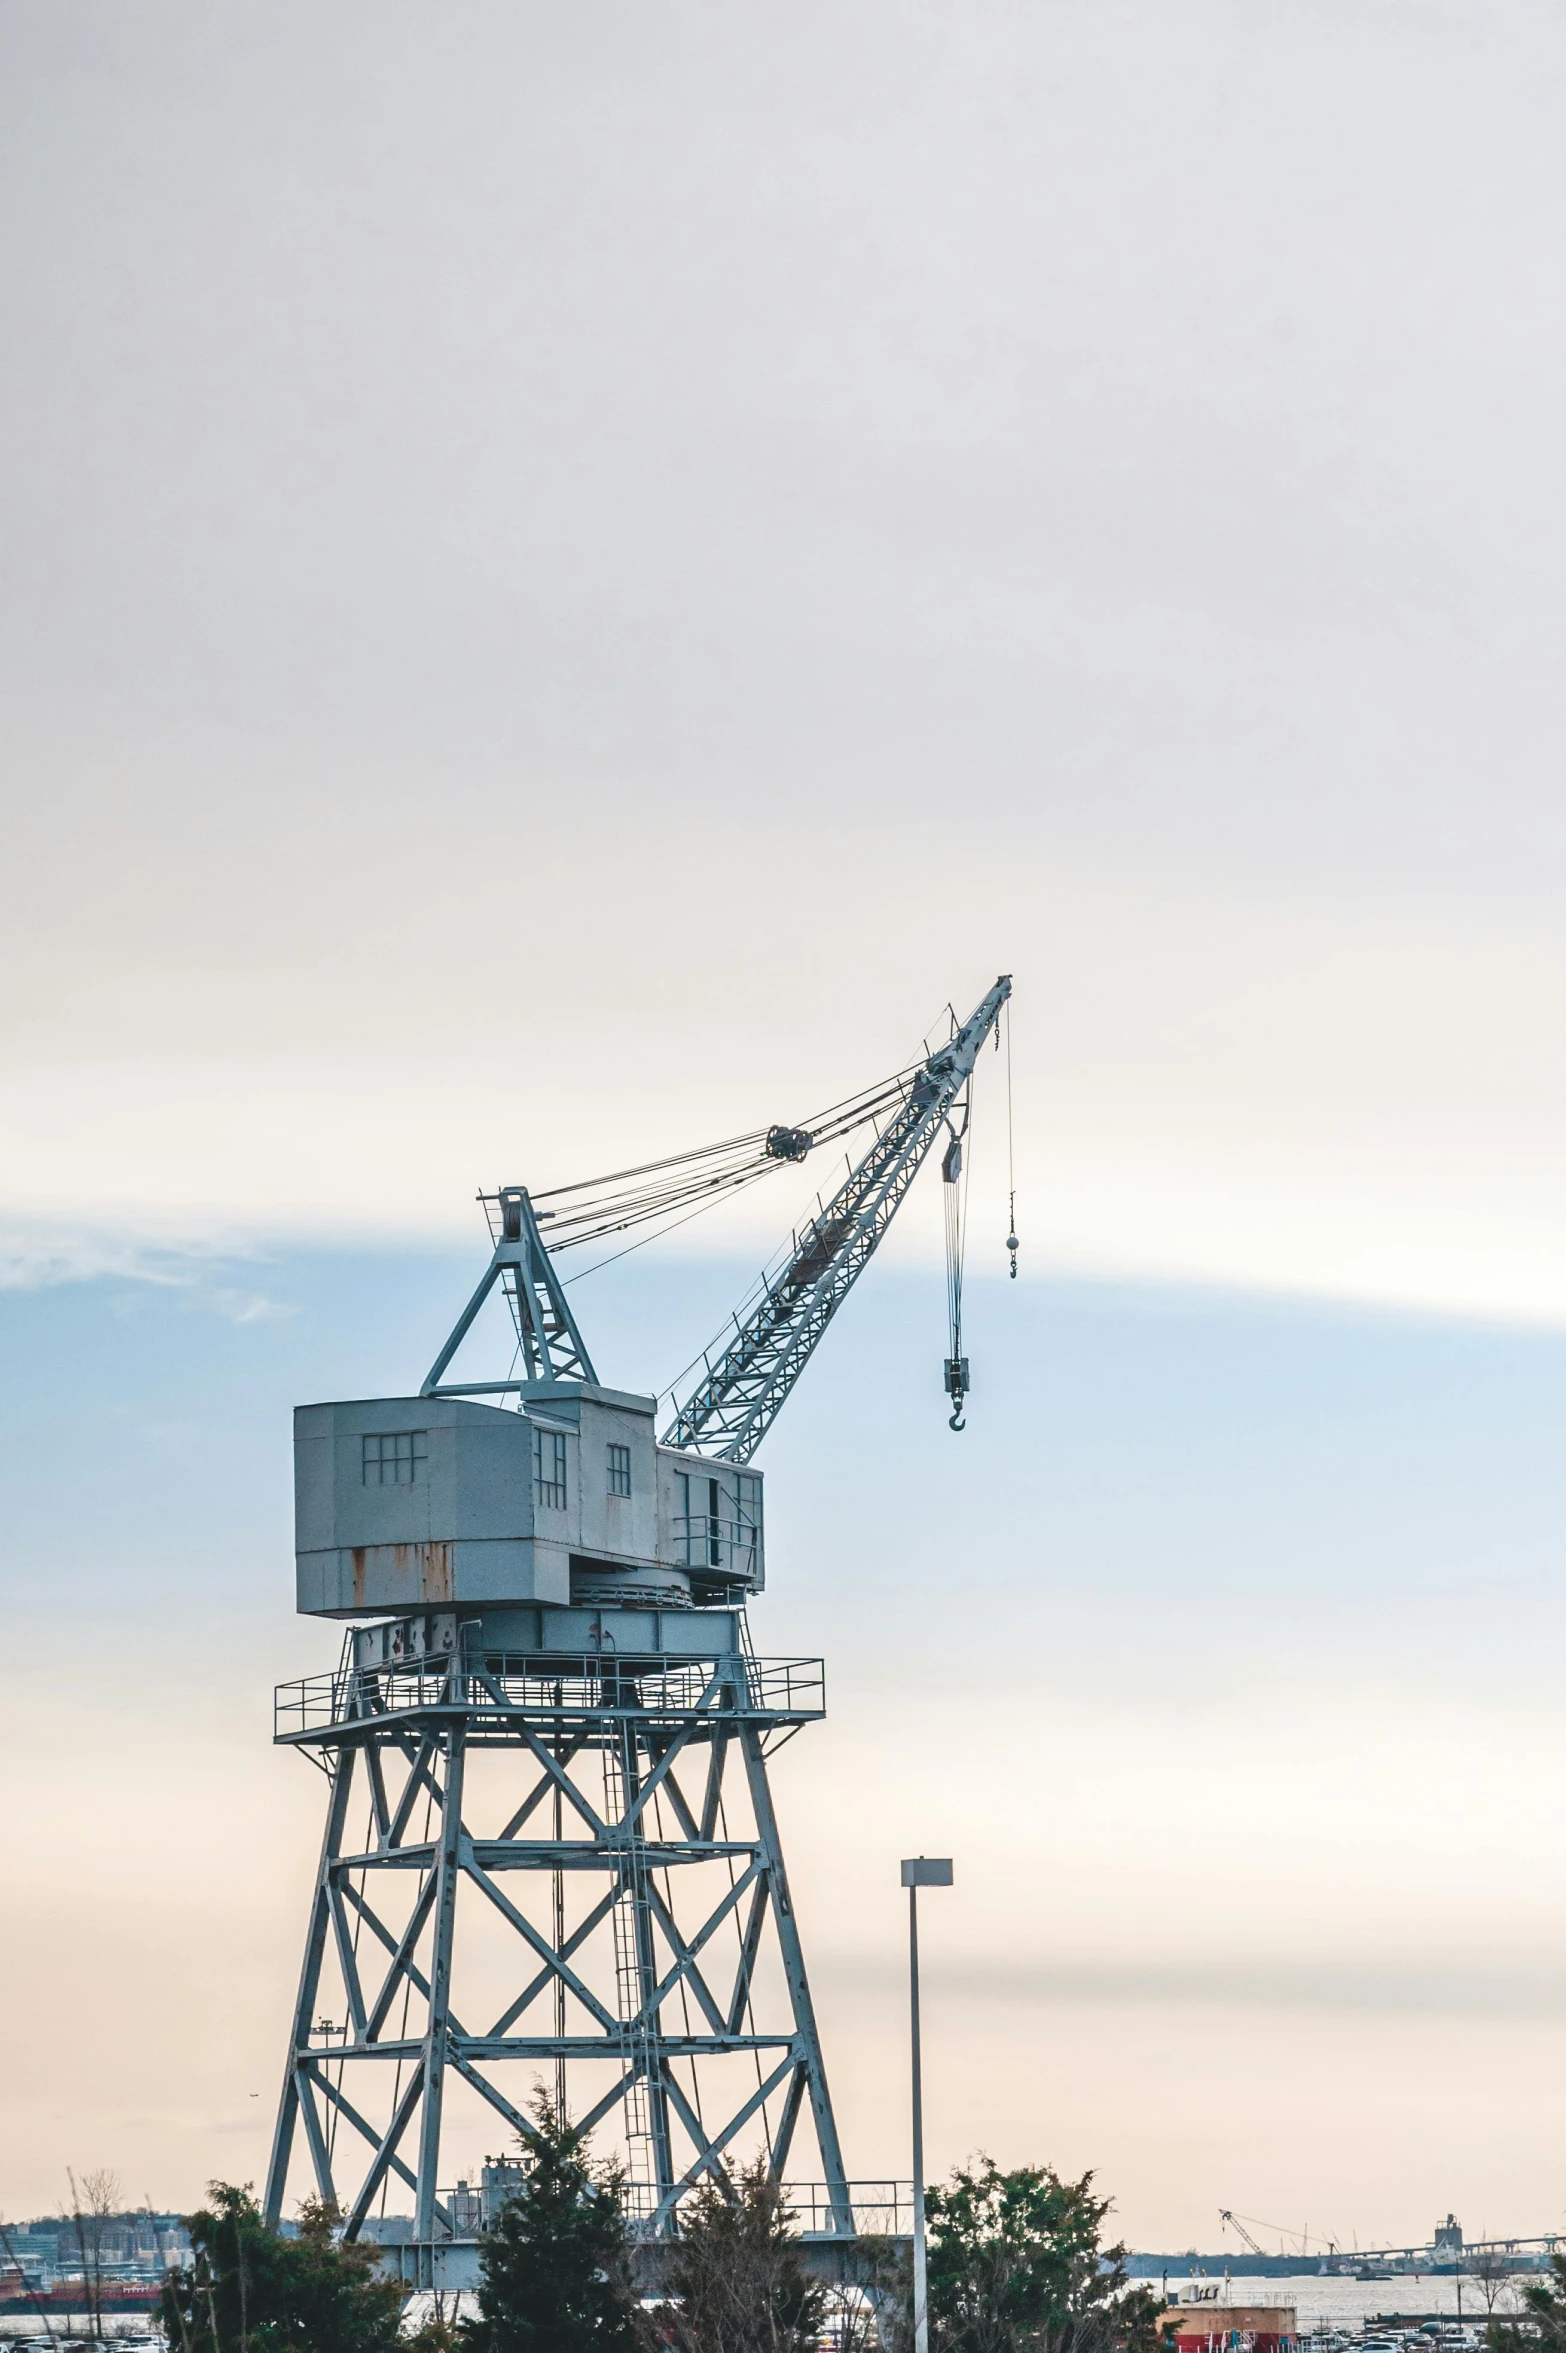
(919, 1871)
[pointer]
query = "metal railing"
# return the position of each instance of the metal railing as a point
(882, 2209)
(550, 1688)
(704, 1540)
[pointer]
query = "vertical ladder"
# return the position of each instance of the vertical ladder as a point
(636, 2033)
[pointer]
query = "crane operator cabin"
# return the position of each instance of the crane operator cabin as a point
(420, 1503)
(540, 1513)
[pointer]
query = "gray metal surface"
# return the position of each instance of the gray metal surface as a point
(882, 2209)
(740, 1393)
(409, 1503)
(632, 1790)
(552, 1348)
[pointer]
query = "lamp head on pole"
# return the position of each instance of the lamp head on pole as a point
(927, 1871)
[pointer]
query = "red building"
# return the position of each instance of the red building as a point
(1200, 2327)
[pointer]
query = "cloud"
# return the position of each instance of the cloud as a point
(33, 1260)
(1163, 605)
(246, 1307)
(1518, 1992)
(1415, 1989)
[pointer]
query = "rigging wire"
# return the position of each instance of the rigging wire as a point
(665, 1193)
(954, 1209)
(951, 1195)
(631, 1248)
(1012, 1243)
(668, 1193)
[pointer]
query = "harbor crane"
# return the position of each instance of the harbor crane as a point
(1238, 2224)
(1241, 2233)
(551, 1851)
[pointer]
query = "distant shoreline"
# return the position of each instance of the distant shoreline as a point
(1189, 2266)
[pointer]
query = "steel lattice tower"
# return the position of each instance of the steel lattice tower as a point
(632, 1798)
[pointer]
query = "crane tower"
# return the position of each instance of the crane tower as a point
(550, 1851)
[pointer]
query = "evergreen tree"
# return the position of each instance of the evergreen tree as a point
(739, 2277)
(250, 2290)
(555, 2272)
(1015, 2266)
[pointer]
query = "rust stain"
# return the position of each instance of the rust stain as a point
(403, 1573)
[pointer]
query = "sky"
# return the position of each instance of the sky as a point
(570, 578)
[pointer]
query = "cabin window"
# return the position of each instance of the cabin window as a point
(619, 1470)
(549, 1468)
(394, 1458)
(747, 1512)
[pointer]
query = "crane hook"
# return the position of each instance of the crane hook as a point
(956, 1422)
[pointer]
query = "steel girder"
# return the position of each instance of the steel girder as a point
(739, 1396)
(674, 1992)
(551, 1343)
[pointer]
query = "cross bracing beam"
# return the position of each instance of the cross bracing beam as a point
(554, 1961)
(397, 1973)
(421, 1782)
(361, 2124)
(320, 2153)
(347, 1960)
(677, 1799)
(548, 1975)
(563, 1756)
(415, 1977)
(654, 1964)
(750, 1946)
(386, 2149)
(618, 2092)
(716, 2143)
(782, 2139)
(521, 2125)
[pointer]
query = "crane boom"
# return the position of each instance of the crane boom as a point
(734, 1404)
(1240, 2231)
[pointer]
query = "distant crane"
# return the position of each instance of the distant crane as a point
(1446, 2246)
(1237, 2223)
(1240, 2231)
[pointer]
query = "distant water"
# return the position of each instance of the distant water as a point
(74, 2327)
(1346, 2302)
(1318, 2302)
